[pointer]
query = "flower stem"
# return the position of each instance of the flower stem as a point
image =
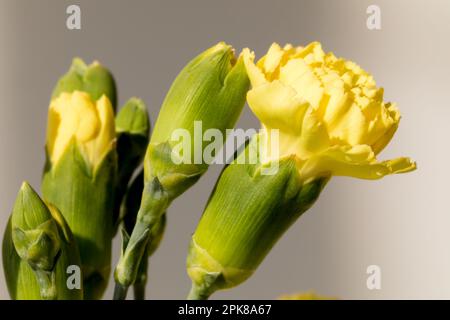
(153, 205)
(120, 292)
(141, 278)
(198, 293)
(139, 291)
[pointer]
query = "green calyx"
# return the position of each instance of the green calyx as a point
(88, 210)
(94, 79)
(174, 178)
(38, 246)
(37, 249)
(245, 216)
(131, 207)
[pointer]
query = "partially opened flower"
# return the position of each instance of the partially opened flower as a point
(76, 118)
(93, 79)
(321, 116)
(79, 178)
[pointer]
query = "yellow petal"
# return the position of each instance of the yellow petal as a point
(297, 74)
(277, 106)
(400, 165)
(255, 74)
(351, 127)
(353, 161)
(311, 139)
(97, 148)
(312, 53)
(382, 141)
(65, 122)
(75, 117)
(272, 59)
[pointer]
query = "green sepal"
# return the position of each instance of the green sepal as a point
(38, 246)
(125, 239)
(133, 253)
(153, 205)
(94, 79)
(202, 291)
(174, 178)
(130, 210)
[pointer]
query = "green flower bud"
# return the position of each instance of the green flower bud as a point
(93, 79)
(38, 247)
(245, 216)
(211, 89)
(132, 128)
(80, 178)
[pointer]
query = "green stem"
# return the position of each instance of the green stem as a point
(120, 292)
(153, 205)
(141, 279)
(139, 291)
(198, 293)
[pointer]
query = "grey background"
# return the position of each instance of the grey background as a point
(400, 223)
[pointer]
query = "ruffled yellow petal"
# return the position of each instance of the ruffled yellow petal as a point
(255, 74)
(351, 126)
(277, 106)
(353, 161)
(299, 76)
(272, 60)
(311, 138)
(385, 138)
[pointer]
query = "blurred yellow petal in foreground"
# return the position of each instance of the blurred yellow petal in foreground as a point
(311, 295)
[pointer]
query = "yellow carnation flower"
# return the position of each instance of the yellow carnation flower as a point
(329, 112)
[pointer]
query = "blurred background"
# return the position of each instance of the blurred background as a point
(400, 224)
